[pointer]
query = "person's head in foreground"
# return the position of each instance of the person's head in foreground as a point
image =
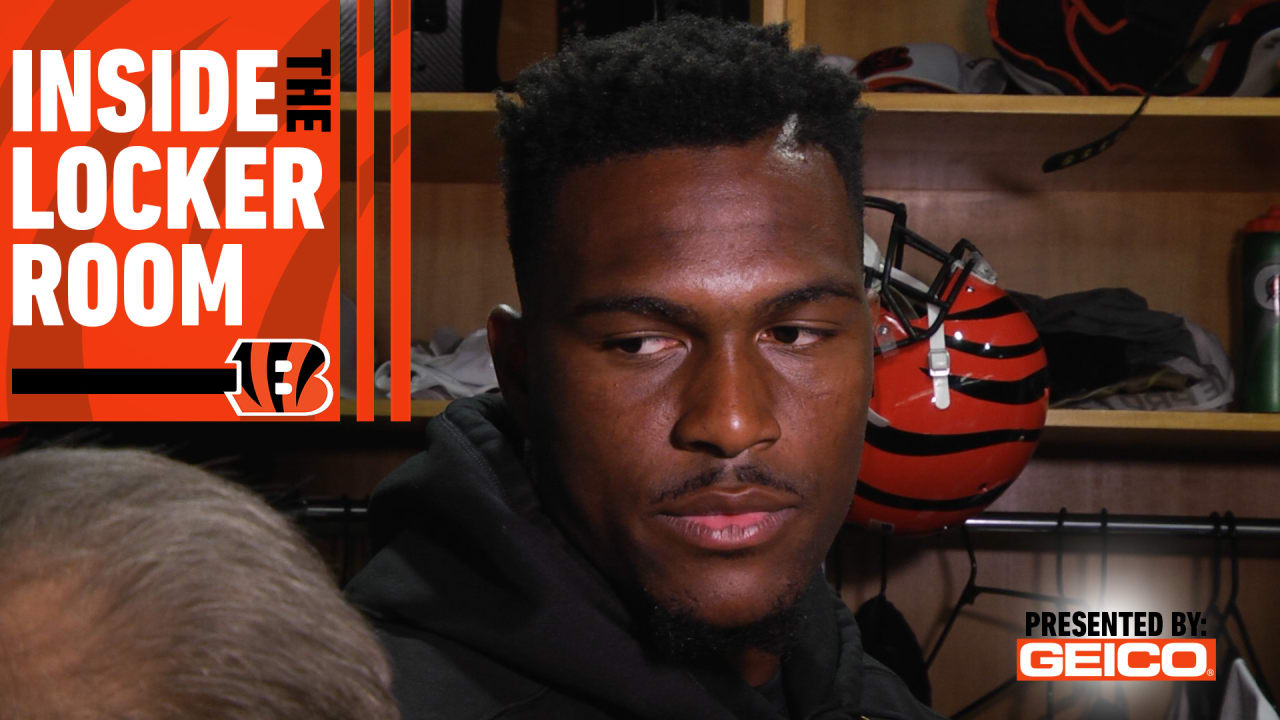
(691, 371)
(137, 587)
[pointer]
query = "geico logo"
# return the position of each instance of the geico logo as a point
(1155, 659)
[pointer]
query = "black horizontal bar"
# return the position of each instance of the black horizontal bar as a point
(122, 381)
(319, 509)
(325, 510)
(1126, 524)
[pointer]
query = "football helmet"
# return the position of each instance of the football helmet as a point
(960, 389)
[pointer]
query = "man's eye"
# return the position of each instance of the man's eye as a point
(795, 336)
(646, 345)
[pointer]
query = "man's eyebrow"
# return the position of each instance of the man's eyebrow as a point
(636, 305)
(656, 307)
(808, 294)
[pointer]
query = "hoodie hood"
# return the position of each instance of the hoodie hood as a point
(468, 556)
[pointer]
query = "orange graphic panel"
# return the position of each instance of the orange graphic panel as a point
(170, 198)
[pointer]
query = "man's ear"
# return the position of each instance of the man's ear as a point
(506, 329)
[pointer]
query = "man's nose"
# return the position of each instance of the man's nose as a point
(727, 406)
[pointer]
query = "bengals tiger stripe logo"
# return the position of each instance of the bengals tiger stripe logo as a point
(280, 377)
(924, 468)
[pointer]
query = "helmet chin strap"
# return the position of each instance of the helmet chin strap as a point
(939, 361)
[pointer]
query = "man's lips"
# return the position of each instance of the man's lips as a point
(728, 532)
(728, 519)
(720, 522)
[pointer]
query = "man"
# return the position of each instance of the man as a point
(139, 587)
(634, 530)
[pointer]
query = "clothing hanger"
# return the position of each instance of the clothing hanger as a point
(1212, 614)
(1102, 581)
(1233, 611)
(347, 542)
(884, 563)
(888, 637)
(1060, 540)
(971, 592)
(1223, 528)
(1121, 702)
(1206, 698)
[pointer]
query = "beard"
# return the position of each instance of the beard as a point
(676, 634)
(670, 631)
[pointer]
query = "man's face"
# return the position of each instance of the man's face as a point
(699, 366)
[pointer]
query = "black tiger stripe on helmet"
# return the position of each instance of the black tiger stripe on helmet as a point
(875, 494)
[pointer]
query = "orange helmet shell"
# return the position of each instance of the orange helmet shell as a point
(925, 468)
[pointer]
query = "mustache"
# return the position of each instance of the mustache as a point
(746, 474)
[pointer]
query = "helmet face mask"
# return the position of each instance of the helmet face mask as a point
(960, 386)
(902, 295)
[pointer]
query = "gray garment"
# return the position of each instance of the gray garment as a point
(1243, 700)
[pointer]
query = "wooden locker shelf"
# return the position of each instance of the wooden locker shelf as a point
(1068, 428)
(986, 143)
(989, 142)
(382, 408)
(1180, 430)
(1164, 420)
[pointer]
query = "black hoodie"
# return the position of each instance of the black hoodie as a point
(487, 612)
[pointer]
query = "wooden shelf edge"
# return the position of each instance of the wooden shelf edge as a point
(1173, 421)
(1073, 105)
(1164, 420)
(1228, 107)
(430, 102)
(382, 408)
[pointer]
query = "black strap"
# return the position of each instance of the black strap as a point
(1077, 155)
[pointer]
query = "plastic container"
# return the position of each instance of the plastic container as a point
(1260, 281)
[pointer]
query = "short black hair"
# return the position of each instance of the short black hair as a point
(686, 82)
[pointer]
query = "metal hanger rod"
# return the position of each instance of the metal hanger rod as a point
(1127, 524)
(1187, 525)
